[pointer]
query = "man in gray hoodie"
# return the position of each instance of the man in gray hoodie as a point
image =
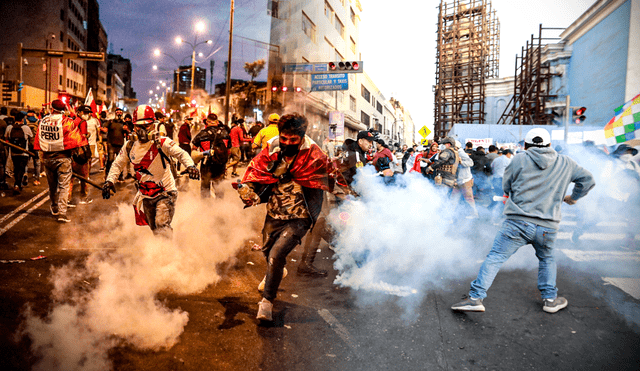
(536, 182)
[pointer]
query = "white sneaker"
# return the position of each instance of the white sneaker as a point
(265, 310)
(264, 280)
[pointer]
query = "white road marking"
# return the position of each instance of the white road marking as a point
(23, 206)
(586, 256)
(18, 219)
(564, 235)
(566, 222)
(612, 224)
(338, 328)
(602, 236)
(629, 285)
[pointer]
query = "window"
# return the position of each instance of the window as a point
(328, 11)
(308, 27)
(339, 27)
(62, 14)
(373, 102)
(353, 16)
(60, 79)
(365, 93)
(353, 45)
(379, 107)
(352, 103)
(364, 118)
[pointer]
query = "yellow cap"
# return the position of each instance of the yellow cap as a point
(274, 117)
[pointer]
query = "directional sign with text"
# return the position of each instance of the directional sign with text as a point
(329, 82)
(305, 68)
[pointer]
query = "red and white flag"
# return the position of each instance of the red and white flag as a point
(89, 101)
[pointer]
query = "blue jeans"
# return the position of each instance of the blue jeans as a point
(513, 235)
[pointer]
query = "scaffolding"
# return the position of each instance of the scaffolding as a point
(531, 85)
(468, 49)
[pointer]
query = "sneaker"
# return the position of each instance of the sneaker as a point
(16, 190)
(311, 271)
(264, 280)
(63, 219)
(71, 205)
(469, 305)
(54, 213)
(36, 182)
(554, 305)
(265, 309)
(86, 201)
(25, 180)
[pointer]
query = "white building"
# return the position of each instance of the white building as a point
(315, 31)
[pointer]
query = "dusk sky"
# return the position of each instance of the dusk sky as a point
(397, 42)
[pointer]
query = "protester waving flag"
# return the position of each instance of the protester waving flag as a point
(625, 125)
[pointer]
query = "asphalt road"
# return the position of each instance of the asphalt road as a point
(319, 326)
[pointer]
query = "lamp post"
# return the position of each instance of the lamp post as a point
(199, 27)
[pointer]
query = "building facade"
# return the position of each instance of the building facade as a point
(182, 79)
(57, 25)
(319, 31)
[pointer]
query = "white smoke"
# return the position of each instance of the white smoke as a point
(110, 298)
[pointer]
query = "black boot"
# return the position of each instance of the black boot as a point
(311, 271)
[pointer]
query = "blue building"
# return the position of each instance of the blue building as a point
(596, 65)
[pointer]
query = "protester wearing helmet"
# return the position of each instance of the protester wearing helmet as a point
(212, 147)
(536, 182)
(154, 203)
(267, 133)
(446, 166)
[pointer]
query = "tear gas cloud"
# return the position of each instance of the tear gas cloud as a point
(400, 240)
(110, 298)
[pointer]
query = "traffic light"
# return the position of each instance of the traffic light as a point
(64, 97)
(274, 89)
(20, 85)
(285, 89)
(347, 66)
(578, 115)
(298, 89)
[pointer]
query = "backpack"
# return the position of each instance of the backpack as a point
(17, 137)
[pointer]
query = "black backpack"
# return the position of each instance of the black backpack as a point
(17, 137)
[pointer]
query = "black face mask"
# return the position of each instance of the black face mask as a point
(289, 150)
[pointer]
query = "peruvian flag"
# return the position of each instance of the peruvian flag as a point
(89, 101)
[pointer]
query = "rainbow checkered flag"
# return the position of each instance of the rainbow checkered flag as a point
(625, 125)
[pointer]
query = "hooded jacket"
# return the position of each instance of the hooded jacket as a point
(536, 182)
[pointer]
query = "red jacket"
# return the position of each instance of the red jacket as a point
(237, 137)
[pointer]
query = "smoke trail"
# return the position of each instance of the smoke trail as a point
(109, 298)
(401, 239)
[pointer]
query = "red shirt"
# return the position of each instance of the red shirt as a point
(237, 136)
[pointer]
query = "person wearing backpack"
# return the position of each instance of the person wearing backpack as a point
(18, 134)
(212, 144)
(58, 137)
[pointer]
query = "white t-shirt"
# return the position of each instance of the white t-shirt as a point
(93, 127)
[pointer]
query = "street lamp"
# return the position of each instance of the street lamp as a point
(199, 28)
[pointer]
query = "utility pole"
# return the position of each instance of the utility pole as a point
(228, 87)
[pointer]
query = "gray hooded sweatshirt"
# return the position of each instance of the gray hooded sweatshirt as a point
(537, 181)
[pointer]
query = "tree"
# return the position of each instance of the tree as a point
(254, 68)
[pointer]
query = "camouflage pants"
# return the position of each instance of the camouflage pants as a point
(159, 212)
(59, 177)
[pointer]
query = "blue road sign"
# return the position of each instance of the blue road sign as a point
(329, 82)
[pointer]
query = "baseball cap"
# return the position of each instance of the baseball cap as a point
(84, 108)
(58, 105)
(274, 117)
(366, 135)
(538, 137)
